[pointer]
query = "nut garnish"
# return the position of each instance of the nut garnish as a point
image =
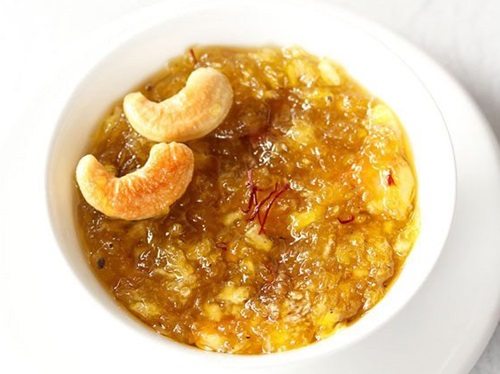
(192, 113)
(145, 193)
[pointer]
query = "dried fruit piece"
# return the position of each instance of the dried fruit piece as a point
(145, 193)
(192, 113)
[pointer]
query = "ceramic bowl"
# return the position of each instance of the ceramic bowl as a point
(121, 63)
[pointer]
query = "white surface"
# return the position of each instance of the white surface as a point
(443, 27)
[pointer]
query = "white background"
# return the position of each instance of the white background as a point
(462, 35)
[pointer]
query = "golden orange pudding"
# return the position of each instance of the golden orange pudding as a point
(297, 217)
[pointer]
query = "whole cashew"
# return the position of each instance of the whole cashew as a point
(144, 193)
(192, 113)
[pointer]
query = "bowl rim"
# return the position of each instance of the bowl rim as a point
(301, 353)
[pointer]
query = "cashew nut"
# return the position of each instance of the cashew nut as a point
(192, 113)
(145, 193)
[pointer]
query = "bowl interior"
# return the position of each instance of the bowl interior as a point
(320, 30)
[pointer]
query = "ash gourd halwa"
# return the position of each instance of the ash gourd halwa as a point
(284, 216)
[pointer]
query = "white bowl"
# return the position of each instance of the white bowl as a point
(125, 61)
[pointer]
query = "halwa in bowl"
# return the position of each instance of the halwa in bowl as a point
(280, 238)
(299, 216)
